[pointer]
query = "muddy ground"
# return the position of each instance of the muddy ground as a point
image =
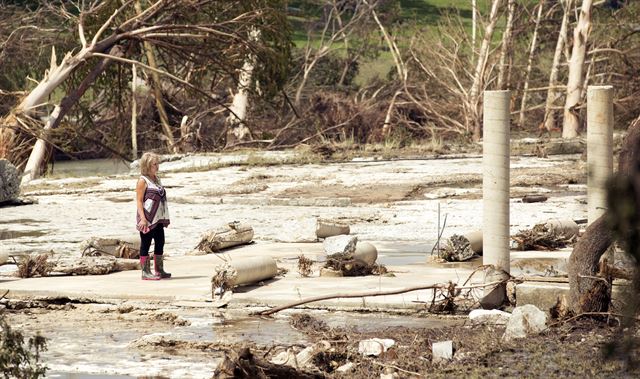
(391, 200)
(114, 339)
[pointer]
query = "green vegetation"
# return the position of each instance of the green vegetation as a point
(17, 359)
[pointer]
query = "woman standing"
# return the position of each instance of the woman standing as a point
(152, 216)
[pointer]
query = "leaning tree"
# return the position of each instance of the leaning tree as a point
(200, 45)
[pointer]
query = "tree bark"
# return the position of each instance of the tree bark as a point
(478, 77)
(589, 292)
(38, 154)
(532, 51)
(157, 91)
(237, 130)
(571, 122)
(506, 45)
(552, 93)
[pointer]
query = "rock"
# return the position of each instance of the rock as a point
(442, 351)
(375, 346)
(340, 245)
(327, 228)
(525, 320)
(9, 181)
(492, 317)
(345, 367)
(366, 252)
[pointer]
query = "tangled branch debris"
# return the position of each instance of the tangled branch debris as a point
(350, 266)
(541, 237)
(304, 266)
(29, 266)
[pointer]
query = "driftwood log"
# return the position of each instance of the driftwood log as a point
(589, 291)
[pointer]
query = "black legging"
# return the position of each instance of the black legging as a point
(157, 235)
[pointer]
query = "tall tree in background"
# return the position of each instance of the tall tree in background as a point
(552, 92)
(571, 122)
(479, 74)
(212, 35)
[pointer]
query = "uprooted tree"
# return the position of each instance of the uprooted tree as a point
(200, 46)
(589, 281)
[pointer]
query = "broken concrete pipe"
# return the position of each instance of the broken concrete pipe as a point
(366, 252)
(475, 241)
(566, 228)
(326, 228)
(495, 193)
(221, 237)
(599, 148)
(252, 270)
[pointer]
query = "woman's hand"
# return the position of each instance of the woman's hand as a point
(143, 226)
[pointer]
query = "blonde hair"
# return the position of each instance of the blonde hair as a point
(146, 161)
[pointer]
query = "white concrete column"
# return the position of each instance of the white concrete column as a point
(599, 148)
(495, 181)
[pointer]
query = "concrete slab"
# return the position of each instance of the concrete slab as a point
(191, 282)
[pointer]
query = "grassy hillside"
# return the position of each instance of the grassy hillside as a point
(410, 16)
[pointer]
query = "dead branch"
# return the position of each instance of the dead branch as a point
(373, 294)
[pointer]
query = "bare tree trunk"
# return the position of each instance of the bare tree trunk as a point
(134, 113)
(571, 122)
(37, 157)
(157, 91)
(589, 291)
(506, 45)
(532, 50)
(237, 130)
(393, 48)
(552, 93)
(474, 27)
(478, 77)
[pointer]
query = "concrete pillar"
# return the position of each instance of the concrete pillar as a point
(599, 148)
(495, 195)
(495, 179)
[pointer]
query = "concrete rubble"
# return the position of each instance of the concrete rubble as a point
(491, 317)
(375, 346)
(525, 320)
(442, 352)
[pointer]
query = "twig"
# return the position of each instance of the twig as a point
(3, 295)
(370, 294)
(594, 314)
(397, 368)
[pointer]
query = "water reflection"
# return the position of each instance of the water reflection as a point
(90, 167)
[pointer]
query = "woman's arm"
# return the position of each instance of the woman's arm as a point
(141, 188)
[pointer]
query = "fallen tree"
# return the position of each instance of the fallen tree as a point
(590, 289)
(200, 46)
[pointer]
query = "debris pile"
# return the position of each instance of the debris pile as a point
(552, 235)
(347, 257)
